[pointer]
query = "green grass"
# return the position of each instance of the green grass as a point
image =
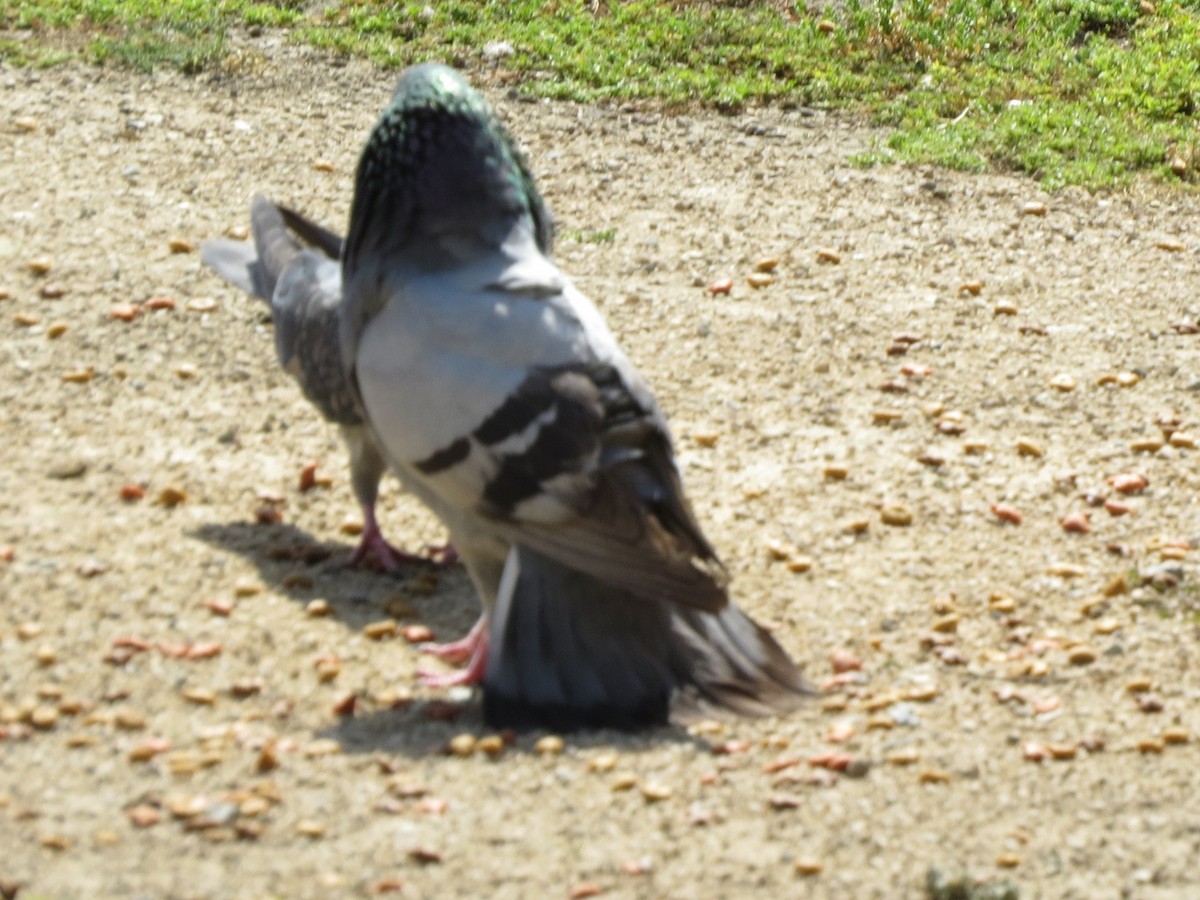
(1090, 92)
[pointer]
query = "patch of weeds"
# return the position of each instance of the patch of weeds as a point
(1091, 92)
(605, 236)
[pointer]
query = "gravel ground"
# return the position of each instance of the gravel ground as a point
(178, 720)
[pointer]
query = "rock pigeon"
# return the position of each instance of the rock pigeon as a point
(502, 400)
(303, 286)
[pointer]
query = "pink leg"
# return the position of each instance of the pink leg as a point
(474, 645)
(462, 649)
(373, 546)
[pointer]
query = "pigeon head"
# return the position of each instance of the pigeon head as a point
(439, 163)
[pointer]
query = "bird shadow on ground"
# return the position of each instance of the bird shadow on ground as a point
(419, 730)
(294, 563)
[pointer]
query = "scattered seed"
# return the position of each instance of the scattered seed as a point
(1129, 482)
(199, 696)
(245, 687)
(705, 437)
(43, 718)
(1139, 686)
(857, 526)
(1028, 447)
(219, 606)
(839, 732)
(27, 320)
(1183, 439)
(623, 781)
(148, 749)
(124, 312)
(886, 416)
(79, 376)
(171, 496)
(323, 165)
(328, 668)
(896, 514)
(1008, 860)
(916, 370)
(181, 245)
(461, 745)
(1075, 523)
(808, 867)
(835, 472)
(1066, 570)
(318, 608)
(654, 791)
(585, 889)
(1005, 308)
(345, 704)
(1150, 745)
(905, 756)
(129, 719)
(974, 288)
(247, 587)
(1171, 245)
(52, 290)
(310, 829)
(1117, 508)
(1148, 703)
(1002, 603)
(201, 304)
(1006, 513)
(1033, 751)
(767, 264)
(143, 816)
(548, 745)
(844, 661)
(759, 280)
(828, 255)
(491, 745)
(721, 286)
(158, 303)
(1176, 734)
(1062, 752)
(1034, 208)
(378, 631)
(922, 694)
(1106, 626)
(1063, 383)
(934, 776)
(1081, 655)
(416, 634)
(40, 265)
(946, 624)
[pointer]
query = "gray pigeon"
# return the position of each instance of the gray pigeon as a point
(502, 400)
(303, 286)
